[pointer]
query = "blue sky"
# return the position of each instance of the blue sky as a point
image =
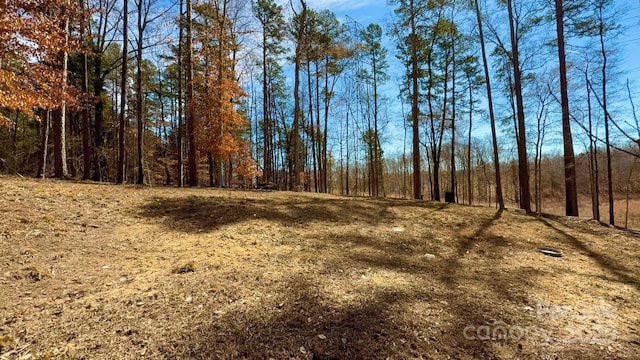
(363, 11)
(630, 42)
(367, 11)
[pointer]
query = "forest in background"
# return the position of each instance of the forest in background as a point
(493, 98)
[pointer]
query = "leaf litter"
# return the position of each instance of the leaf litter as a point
(103, 271)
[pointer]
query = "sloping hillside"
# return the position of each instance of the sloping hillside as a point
(99, 271)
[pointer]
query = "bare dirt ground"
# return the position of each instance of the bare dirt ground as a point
(96, 271)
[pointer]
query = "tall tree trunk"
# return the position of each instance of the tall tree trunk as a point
(295, 183)
(415, 110)
(537, 160)
(60, 116)
(212, 170)
(376, 132)
(571, 190)
(453, 121)
(139, 102)
(469, 169)
(86, 141)
(221, 15)
(191, 131)
(179, 142)
(434, 176)
(492, 118)
(98, 85)
(99, 44)
(312, 129)
(523, 163)
(404, 155)
(606, 120)
(316, 130)
(370, 173)
(593, 158)
(120, 178)
(266, 119)
(325, 138)
(346, 180)
(45, 125)
(58, 126)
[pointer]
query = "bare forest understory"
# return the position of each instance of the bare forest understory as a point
(99, 271)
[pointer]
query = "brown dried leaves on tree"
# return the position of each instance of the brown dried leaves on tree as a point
(32, 36)
(218, 92)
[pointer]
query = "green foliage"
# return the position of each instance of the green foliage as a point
(19, 145)
(377, 54)
(270, 16)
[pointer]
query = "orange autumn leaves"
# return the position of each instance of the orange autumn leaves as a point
(32, 37)
(221, 126)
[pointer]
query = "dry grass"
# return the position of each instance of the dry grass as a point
(623, 218)
(131, 272)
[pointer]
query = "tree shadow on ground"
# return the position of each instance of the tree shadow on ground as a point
(195, 214)
(374, 253)
(623, 274)
(304, 323)
(465, 245)
(494, 308)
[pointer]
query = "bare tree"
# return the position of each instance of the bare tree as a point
(601, 32)
(60, 113)
(407, 12)
(523, 163)
(494, 138)
(269, 15)
(86, 141)
(123, 95)
(191, 131)
(103, 31)
(571, 191)
(302, 17)
(145, 18)
(180, 135)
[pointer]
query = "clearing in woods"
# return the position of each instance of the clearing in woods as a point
(98, 271)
